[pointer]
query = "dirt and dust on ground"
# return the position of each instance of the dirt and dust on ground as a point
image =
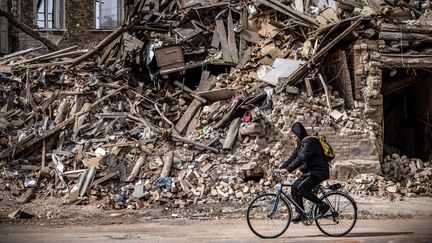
(52, 212)
(228, 230)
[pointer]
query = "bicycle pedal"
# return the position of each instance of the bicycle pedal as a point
(307, 222)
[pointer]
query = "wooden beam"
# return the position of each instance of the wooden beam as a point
(136, 169)
(36, 35)
(166, 169)
(185, 140)
(325, 91)
(421, 29)
(232, 40)
(48, 55)
(303, 70)
(220, 29)
(399, 36)
(406, 61)
(345, 78)
(188, 115)
(19, 53)
(232, 134)
(105, 42)
(291, 12)
(20, 146)
(170, 134)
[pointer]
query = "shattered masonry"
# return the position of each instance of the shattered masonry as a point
(190, 102)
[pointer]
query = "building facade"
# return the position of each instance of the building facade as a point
(64, 22)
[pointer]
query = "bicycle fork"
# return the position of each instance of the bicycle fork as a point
(276, 203)
(275, 206)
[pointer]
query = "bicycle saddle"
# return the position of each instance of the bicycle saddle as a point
(335, 187)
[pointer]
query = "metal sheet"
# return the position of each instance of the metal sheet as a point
(281, 68)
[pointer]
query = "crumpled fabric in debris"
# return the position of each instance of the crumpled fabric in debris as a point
(30, 183)
(150, 51)
(247, 117)
(58, 163)
(122, 199)
(234, 101)
(42, 78)
(268, 102)
(61, 78)
(164, 183)
(146, 134)
(93, 80)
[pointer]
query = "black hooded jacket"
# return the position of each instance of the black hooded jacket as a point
(307, 155)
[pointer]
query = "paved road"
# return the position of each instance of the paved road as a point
(403, 230)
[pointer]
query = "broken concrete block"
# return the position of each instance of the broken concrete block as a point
(184, 185)
(19, 214)
(336, 115)
(251, 129)
(392, 189)
(138, 191)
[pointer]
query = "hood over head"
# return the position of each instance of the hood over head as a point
(299, 130)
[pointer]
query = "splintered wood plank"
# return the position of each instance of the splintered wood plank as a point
(203, 81)
(242, 44)
(80, 120)
(231, 39)
(345, 78)
(232, 134)
(188, 115)
(209, 84)
(10, 100)
(105, 178)
(192, 123)
(220, 29)
(245, 58)
(28, 142)
(215, 40)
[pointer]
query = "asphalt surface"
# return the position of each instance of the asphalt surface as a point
(178, 230)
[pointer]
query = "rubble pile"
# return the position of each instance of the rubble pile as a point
(401, 177)
(130, 121)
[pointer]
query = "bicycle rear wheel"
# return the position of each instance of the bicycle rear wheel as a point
(341, 217)
(265, 220)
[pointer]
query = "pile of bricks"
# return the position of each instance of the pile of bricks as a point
(402, 177)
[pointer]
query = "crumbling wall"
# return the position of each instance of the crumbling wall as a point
(352, 136)
(79, 26)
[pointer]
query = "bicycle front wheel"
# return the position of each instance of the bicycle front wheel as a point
(268, 216)
(341, 217)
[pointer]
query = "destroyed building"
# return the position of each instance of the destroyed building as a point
(191, 101)
(64, 22)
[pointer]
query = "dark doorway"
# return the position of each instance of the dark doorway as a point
(408, 113)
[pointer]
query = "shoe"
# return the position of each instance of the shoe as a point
(297, 219)
(323, 208)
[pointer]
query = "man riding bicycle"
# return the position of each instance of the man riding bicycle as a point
(310, 160)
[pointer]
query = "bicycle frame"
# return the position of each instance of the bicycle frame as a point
(280, 192)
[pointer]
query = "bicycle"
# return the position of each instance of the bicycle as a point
(269, 215)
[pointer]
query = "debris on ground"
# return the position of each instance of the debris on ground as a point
(130, 122)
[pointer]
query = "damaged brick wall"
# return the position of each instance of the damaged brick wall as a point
(353, 137)
(79, 26)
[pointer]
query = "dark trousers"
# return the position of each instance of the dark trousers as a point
(302, 187)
